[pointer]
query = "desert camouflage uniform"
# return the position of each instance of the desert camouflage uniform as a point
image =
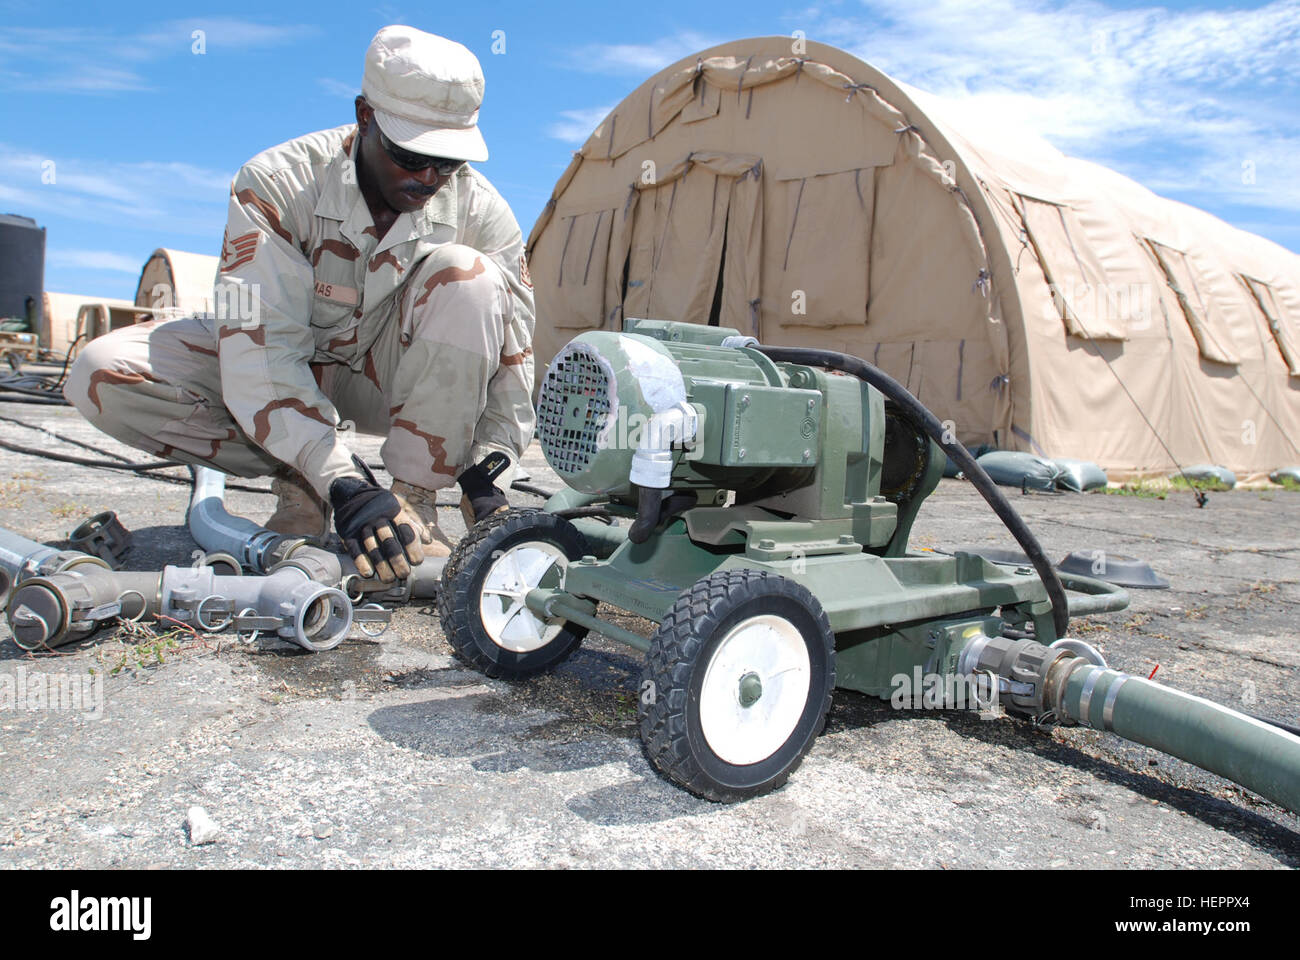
(424, 335)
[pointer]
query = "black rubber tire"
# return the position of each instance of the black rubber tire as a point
(462, 583)
(680, 651)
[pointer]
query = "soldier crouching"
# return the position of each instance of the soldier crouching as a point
(368, 275)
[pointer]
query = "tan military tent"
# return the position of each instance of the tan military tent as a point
(177, 279)
(1041, 303)
(172, 282)
(69, 315)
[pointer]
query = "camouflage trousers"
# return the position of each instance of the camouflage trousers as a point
(424, 384)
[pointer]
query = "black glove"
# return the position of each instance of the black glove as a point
(482, 498)
(376, 531)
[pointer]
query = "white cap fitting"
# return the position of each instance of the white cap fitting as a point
(652, 464)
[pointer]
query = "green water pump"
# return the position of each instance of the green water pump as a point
(755, 503)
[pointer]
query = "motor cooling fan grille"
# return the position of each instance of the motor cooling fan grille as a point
(573, 408)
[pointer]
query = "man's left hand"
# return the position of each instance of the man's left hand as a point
(481, 498)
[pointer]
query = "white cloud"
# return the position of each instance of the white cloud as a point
(106, 61)
(337, 88)
(641, 59)
(94, 260)
(1177, 99)
(151, 195)
(575, 126)
(1191, 102)
(220, 34)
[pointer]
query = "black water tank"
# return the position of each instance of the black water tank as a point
(22, 267)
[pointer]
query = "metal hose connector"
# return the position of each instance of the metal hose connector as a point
(1055, 682)
(217, 531)
(287, 603)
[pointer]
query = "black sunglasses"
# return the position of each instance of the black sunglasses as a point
(417, 161)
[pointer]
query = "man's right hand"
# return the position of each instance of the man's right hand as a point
(382, 539)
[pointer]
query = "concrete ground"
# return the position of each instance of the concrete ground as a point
(390, 753)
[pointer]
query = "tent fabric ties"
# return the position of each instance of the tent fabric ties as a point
(740, 82)
(595, 233)
(1024, 435)
(794, 221)
(565, 251)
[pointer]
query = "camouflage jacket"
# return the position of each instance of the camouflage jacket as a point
(305, 278)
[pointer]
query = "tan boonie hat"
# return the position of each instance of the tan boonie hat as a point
(426, 91)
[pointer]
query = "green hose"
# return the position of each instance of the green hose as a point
(1247, 751)
(1103, 597)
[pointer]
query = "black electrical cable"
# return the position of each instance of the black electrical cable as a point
(33, 387)
(1276, 723)
(10, 385)
(525, 487)
(24, 383)
(40, 401)
(67, 361)
(896, 392)
(87, 461)
(598, 513)
(66, 439)
(141, 469)
(1013, 634)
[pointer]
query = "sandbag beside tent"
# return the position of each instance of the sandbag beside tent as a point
(951, 470)
(1079, 475)
(1207, 473)
(1024, 470)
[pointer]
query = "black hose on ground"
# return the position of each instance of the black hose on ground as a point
(1272, 722)
(896, 392)
(88, 461)
(147, 470)
(598, 513)
(525, 487)
(6, 397)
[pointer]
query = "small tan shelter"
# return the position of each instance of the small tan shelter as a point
(1042, 303)
(178, 280)
(68, 316)
(172, 283)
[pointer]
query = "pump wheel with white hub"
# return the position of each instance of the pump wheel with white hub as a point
(484, 586)
(738, 684)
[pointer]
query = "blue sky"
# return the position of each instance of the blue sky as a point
(145, 134)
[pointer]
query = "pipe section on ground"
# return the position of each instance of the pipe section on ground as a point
(215, 529)
(1055, 682)
(47, 611)
(287, 603)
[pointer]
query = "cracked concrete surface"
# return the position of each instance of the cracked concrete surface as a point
(393, 754)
